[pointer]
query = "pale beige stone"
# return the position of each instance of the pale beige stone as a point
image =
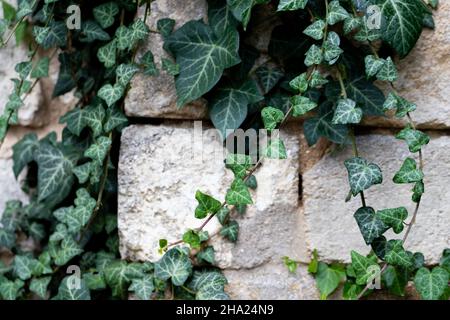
(156, 97)
(331, 228)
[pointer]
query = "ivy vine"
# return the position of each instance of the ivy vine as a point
(323, 73)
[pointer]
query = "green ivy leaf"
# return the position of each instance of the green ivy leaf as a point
(139, 31)
(388, 71)
(55, 35)
(98, 150)
(115, 119)
(91, 31)
(300, 83)
(414, 138)
(23, 266)
(431, 285)
(393, 218)
(336, 13)
(373, 65)
(403, 23)
(347, 112)
(268, 77)
(55, 172)
(313, 56)
(229, 105)
(220, 17)
(239, 164)
(362, 175)
(365, 33)
(328, 279)
(396, 255)
(238, 193)
(143, 288)
(363, 268)
(317, 80)
(93, 117)
(192, 238)
(251, 182)
(230, 231)
(370, 224)
(271, 117)
(68, 249)
(111, 94)
(290, 5)
(23, 152)
(105, 13)
(40, 70)
(170, 67)
(11, 290)
(302, 105)
(206, 205)
(94, 281)
(68, 291)
(223, 214)
(39, 286)
(124, 38)
(408, 173)
(125, 73)
(351, 24)
(202, 57)
(395, 280)
(276, 149)
(209, 285)
(107, 53)
(174, 265)
(165, 26)
(148, 63)
(207, 255)
(316, 30)
(242, 9)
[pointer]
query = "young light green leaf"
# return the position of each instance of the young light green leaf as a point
(276, 149)
(271, 117)
(301, 105)
(347, 112)
(238, 193)
(328, 279)
(408, 173)
(362, 174)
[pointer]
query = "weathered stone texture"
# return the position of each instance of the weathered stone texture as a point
(155, 96)
(9, 186)
(331, 227)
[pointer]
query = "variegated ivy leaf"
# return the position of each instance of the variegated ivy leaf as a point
(148, 63)
(139, 31)
(408, 173)
(230, 231)
(143, 288)
(98, 150)
(363, 267)
(37, 231)
(351, 24)
(10, 290)
(239, 164)
(289, 5)
(202, 57)
(391, 102)
(105, 13)
(333, 39)
(418, 191)
(362, 174)
(94, 281)
(23, 152)
(276, 149)
(370, 224)
(67, 291)
(316, 30)
(119, 274)
(23, 266)
(223, 214)
(336, 13)
(268, 76)
(414, 138)
(39, 286)
(208, 285)
(242, 9)
(82, 172)
(25, 8)
(207, 255)
(91, 31)
(40, 70)
(313, 56)
(431, 285)
(23, 69)
(107, 54)
(402, 23)
(388, 71)
(67, 250)
(347, 112)
(170, 67)
(174, 265)
(373, 65)
(317, 80)
(124, 38)
(111, 94)
(364, 33)
(300, 83)
(40, 33)
(125, 73)
(115, 119)
(331, 53)
(78, 217)
(206, 205)
(396, 254)
(93, 118)
(55, 35)
(54, 172)
(238, 193)
(165, 26)
(271, 117)
(301, 105)
(393, 218)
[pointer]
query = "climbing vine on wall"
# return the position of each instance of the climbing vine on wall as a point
(324, 72)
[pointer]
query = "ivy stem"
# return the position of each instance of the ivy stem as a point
(13, 31)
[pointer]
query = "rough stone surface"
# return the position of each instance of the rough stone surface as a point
(331, 227)
(157, 183)
(424, 76)
(271, 282)
(155, 96)
(9, 186)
